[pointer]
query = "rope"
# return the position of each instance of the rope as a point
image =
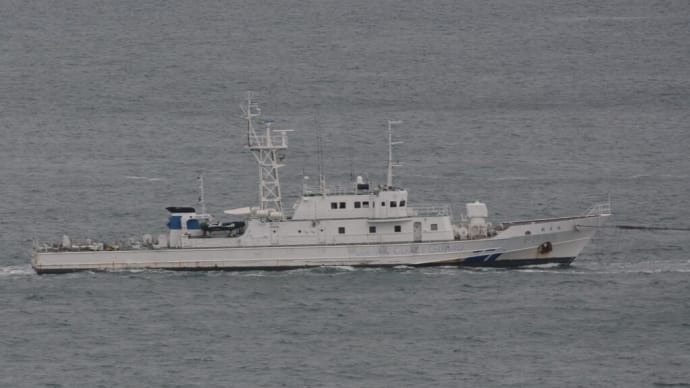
(637, 227)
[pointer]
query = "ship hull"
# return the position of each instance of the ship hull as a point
(560, 261)
(565, 237)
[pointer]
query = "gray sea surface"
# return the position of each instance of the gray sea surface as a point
(109, 110)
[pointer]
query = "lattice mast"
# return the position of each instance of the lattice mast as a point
(267, 147)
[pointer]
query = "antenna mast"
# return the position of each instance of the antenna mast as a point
(266, 148)
(322, 177)
(202, 201)
(391, 143)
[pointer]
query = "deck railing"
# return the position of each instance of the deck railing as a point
(429, 210)
(599, 209)
(330, 190)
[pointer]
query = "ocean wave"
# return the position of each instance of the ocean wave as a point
(143, 178)
(331, 269)
(577, 269)
(660, 176)
(542, 267)
(598, 18)
(594, 269)
(511, 178)
(17, 270)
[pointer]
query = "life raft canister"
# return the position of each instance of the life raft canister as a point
(545, 247)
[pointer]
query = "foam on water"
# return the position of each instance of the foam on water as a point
(17, 270)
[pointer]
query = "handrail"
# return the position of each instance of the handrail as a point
(330, 190)
(429, 210)
(598, 209)
(263, 141)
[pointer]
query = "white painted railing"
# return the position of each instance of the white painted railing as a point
(429, 210)
(273, 141)
(599, 209)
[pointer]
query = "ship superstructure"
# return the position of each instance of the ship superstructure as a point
(360, 225)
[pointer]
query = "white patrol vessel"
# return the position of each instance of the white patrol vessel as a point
(361, 226)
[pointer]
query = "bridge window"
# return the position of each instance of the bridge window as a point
(394, 204)
(398, 228)
(358, 205)
(372, 229)
(383, 204)
(402, 203)
(342, 205)
(434, 227)
(334, 205)
(365, 204)
(175, 222)
(341, 230)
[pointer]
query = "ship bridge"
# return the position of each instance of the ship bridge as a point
(334, 204)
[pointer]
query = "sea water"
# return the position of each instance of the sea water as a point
(109, 110)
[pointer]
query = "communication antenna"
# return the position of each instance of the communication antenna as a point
(319, 153)
(391, 143)
(202, 201)
(351, 152)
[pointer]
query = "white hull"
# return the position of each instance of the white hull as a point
(512, 247)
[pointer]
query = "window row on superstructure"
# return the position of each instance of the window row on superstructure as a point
(372, 229)
(396, 229)
(365, 204)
